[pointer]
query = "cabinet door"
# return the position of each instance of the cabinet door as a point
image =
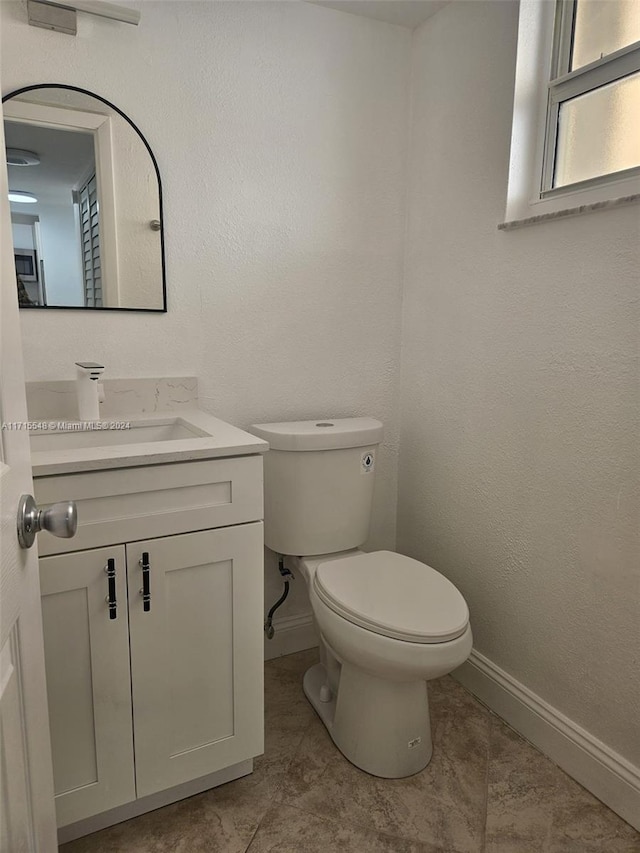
(88, 682)
(196, 654)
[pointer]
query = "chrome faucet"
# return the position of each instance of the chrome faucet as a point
(90, 391)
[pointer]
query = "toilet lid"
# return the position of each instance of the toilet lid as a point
(394, 596)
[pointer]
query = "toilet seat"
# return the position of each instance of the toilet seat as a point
(393, 595)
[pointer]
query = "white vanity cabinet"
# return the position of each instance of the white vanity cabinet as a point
(88, 683)
(165, 685)
(197, 697)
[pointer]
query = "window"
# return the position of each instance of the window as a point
(593, 114)
(90, 243)
(576, 121)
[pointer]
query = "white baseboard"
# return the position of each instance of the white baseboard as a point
(292, 634)
(609, 776)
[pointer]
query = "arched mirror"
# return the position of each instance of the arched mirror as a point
(86, 203)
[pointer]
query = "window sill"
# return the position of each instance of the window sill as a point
(512, 224)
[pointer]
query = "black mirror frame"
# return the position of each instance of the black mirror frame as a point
(162, 310)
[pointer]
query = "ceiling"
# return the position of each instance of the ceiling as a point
(65, 158)
(405, 13)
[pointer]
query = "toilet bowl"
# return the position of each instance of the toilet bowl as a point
(387, 623)
(381, 641)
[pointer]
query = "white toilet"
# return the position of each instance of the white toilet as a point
(387, 623)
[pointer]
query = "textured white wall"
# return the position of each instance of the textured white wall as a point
(61, 254)
(280, 131)
(519, 463)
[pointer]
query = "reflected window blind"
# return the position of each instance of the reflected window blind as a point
(90, 233)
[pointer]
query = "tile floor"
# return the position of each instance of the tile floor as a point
(485, 791)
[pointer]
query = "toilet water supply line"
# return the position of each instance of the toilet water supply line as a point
(284, 571)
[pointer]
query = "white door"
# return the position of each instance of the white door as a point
(27, 815)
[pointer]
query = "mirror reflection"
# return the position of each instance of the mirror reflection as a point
(86, 203)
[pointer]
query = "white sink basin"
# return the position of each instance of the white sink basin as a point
(151, 439)
(168, 429)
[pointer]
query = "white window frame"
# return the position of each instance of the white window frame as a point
(542, 83)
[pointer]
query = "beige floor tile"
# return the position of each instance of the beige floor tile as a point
(222, 820)
(582, 824)
(443, 805)
(287, 830)
(304, 796)
(534, 807)
(521, 791)
(295, 665)
(288, 714)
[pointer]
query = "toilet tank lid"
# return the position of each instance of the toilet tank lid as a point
(321, 433)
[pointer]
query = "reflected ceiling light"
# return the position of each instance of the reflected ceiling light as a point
(20, 157)
(21, 196)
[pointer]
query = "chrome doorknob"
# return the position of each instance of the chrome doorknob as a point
(59, 519)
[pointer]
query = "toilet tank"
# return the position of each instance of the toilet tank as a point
(318, 484)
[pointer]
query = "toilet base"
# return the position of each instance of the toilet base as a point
(380, 726)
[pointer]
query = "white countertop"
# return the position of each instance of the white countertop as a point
(220, 439)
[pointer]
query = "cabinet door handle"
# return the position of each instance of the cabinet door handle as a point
(145, 592)
(110, 569)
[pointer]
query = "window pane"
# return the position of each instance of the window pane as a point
(599, 133)
(602, 27)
